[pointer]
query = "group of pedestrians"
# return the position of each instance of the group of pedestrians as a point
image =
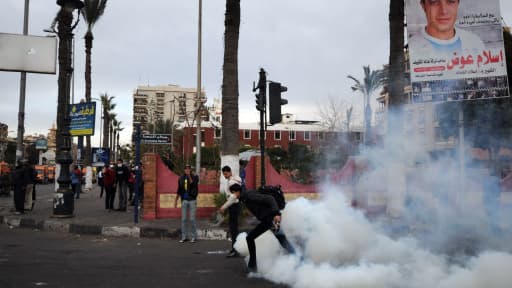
(23, 180)
(120, 180)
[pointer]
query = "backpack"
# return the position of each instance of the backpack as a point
(276, 192)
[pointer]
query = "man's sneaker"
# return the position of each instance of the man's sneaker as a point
(232, 254)
(252, 269)
(183, 240)
(193, 240)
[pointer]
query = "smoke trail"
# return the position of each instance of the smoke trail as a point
(451, 239)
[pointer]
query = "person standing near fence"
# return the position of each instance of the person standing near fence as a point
(232, 206)
(187, 192)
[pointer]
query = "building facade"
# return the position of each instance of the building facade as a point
(309, 133)
(166, 102)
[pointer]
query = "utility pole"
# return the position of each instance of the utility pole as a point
(199, 98)
(23, 85)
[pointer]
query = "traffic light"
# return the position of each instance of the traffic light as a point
(260, 101)
(275, 101)
(261, 96)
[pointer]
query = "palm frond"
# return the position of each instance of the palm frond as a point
(92, 11)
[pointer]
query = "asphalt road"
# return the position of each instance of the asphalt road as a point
(31, 258)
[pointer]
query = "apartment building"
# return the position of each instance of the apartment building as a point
(166, 102)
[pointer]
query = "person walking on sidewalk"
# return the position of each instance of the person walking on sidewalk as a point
(109, 180)
(122, 175)
(18, 180)
(76, 181)
(131, 185)
(100, 182)
(30, 175)
(233, 207)
(187, 192)
(264, 207)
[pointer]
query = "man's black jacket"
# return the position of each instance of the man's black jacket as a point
(192, 187)
(262, 206)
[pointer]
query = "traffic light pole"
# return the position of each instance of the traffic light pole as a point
(262, 146)
(275, 103)
(261, 106)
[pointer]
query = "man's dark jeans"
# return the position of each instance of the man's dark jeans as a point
(234, 214)
(257, 231)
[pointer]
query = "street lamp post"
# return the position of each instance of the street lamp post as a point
(23, 83)
(63, 204)
(199, 98)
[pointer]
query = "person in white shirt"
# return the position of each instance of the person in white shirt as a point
(232, 206)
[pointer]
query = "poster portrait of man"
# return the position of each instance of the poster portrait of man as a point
(453, 43)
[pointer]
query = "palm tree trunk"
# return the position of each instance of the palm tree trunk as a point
(111, 140)
(396, 63)
(88, 46)
(106, 132)
(230, 139)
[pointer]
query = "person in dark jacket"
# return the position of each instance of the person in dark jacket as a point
(187, 192)
(265, 209)
(100, 182)
(30, 175)
(18, 180)
(109, 180)
(122, 176)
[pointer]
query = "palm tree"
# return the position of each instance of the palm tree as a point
(230, 140)
(396, 61)
(107, 102)
(371, 82)
(92, 11)
(117, 130)
(112, 124)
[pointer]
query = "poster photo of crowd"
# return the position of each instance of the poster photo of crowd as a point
(456, 50)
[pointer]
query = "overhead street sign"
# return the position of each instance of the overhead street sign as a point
(155, 139)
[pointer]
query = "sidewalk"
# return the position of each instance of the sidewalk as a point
(91, 218)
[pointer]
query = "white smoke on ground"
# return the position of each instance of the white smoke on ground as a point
(453, 238)
(338, 247)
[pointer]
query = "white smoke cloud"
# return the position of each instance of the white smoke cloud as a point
(338, 247)
(436, 232)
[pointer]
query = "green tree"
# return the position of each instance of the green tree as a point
(161, 126)
(230, 139)
(372, 81)
(92, 11)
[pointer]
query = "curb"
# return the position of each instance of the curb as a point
(108, 231)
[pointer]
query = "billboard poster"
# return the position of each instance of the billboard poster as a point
(456, 50)
(28, 53)
(100, 156)
(82, 117)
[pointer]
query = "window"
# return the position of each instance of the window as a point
(307, 135)
(247, 134)
(277, 135)
(292, 135)
(218, 133)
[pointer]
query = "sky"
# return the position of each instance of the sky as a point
(308, 46)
